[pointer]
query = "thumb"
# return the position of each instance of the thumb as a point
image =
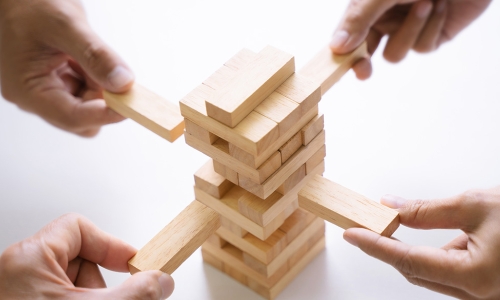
(147, 285)
(96, 58)
(459, 212)
(356, 23)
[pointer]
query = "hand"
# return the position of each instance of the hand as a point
(53, 64)
(467, 267)
(60, 262)
(421, 25)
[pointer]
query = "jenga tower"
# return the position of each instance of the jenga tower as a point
(258, 121)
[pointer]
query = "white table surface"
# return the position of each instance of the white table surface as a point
(426, 128)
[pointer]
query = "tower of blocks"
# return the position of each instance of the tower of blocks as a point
(261, 200)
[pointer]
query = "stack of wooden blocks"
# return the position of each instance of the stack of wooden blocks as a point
(259, 122)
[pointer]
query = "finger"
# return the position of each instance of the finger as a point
(431, 264)
(459, 243)
(73, 268)
(143, 285)
(89, 276)
(357, 21)
(428, 39)
(363, 67)
(403, 40)
(459, 212)
(65, 111)
(72, 236)
(440, 288)
(97, 59)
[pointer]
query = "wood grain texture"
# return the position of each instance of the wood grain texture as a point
(200, 132)
(225, 172)
(293, 180)
(209, 181)
(316, 159)
(271, 184)
(233, 101)
(233, 227)
(177, 241)
(281, 110)
(227, 206)
(308, 232)
(216, 240)
(301, 90)
(346, 208)
(326, 68)
(312, 129)
(148, 109)
(259, 283)
(290, 147)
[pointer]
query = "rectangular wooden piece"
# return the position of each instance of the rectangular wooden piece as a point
(208, 180)
(346, 208)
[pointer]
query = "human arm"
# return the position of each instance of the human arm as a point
(61, 262)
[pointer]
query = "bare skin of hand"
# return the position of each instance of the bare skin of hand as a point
(61, 262)
(468, 267)
(53, 64)
(421, 25)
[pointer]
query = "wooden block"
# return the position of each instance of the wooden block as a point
(295, 224)
(232, 256)
(284, 172)
(297, 256)
(233, 227)
(199, 132)
(218, 79)
(177, 241)
(316, 159)
(301, 90)
(212, 260)
(273, 292)
(345, 208)
(281, 110)
(209, 181)
(293, 180)
(216, 240)
(148, 109)
(225, 172)
(219, 151)
(264, 212)
(327, 68)
(241, 59)
(252, 84)
(290, 147)
(255, 134)
(228, 207)
(312, 129)
(235, 274)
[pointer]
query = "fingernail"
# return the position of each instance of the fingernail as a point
(350, 240)
(120, 77)
(339, 39)
(393, 201)
(424, 10)
(167, 285)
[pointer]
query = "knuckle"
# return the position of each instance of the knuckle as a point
(415, 281)
(95, 55)
(405, 265)
(415, 210)
(150, 289)
(12, 261)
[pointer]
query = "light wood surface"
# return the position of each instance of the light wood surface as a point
(233, 101)
(177, 241)
(301, 90)
(316, 159)
(290, 147)
(293, 180)
(200, 132)
(227, 206)
(326, 68)
(312, 128)
(285, 171)
(209, 181)
(345, 208)
(281, 110)
(225, 172)
(148, 109)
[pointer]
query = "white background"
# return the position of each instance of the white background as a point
(425, 128)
